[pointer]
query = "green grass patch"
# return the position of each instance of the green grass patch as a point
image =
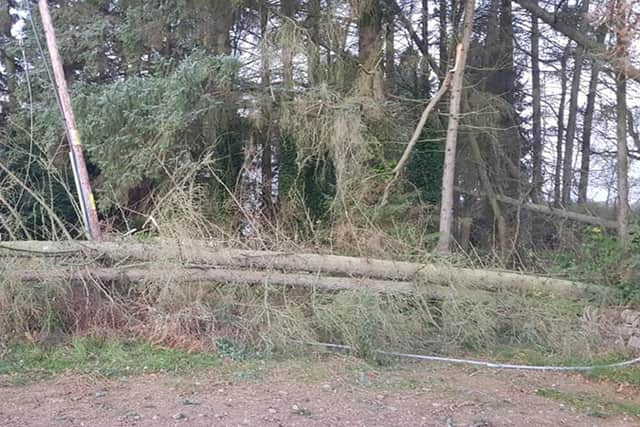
(540, 357)
(108, 358)
(591, 404)
(629, 375)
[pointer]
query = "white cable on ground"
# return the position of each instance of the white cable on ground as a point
(479, 362)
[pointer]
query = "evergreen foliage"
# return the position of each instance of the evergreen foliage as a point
(306, 102)
(150, 128)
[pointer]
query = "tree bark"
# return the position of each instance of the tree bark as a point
(567, 170)
(585, 151)
(197, 258)
(623, 160)
(370, 82)
(491, 195)
(288, 10)
(537, 180)
(213, 21)
(512, 145)
(314, 14)
(426, 86)
(264, 129)
(623, 47)
(448, 175)
(8, 98)
(567, 176)
(181, 275)
(389, 55)
(557, 183)
(444, 38)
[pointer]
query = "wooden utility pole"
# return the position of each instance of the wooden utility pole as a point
(83, 185)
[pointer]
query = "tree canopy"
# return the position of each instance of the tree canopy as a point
(288, 118)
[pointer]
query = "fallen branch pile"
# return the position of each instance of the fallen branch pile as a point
(197, 261)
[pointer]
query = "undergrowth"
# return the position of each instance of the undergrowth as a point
(241, 320)
(602, 259)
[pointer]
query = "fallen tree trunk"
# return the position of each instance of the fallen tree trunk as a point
(199, 254)
(561, 213)
(182, 275)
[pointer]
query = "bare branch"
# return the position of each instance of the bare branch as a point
(416, 135)
(621, 65)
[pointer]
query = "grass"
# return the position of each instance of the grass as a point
(629, 375)
(539, 356)
(591, 404)
(246, 324)
(107, 358)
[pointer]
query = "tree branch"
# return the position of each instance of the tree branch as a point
(620, 65)
(416, 135)
(562, 213)
(395, 8)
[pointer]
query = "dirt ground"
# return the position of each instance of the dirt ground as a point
(333, 391)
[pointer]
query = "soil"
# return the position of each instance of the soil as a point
(332, 391)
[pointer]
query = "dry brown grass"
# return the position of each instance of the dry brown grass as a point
(195, 317)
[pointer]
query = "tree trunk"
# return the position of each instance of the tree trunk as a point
(426, 86)
(512, 145)
(567, 176)
(315, 12)
(491, 195)
(623, 47)
(557, 183)
(222, 25)
(389, 55)
(264, 130)
(213, 21)
(7, 97)
(267, 142)
(623, 159)
(370, 82)
(288, 10)
(537, 180)
(200, 262)
(448, 175)
(181, 276)
(444, 38)
(567, 171)
(585, 151)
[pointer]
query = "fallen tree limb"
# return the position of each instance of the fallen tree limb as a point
(199, 254)
(182, 275)
(562, 213)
